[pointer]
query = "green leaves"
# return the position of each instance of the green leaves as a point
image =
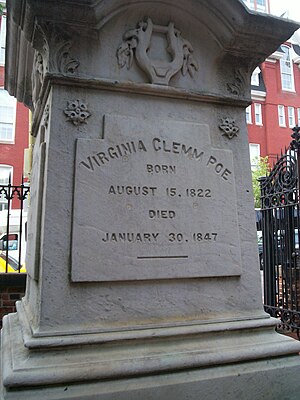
(262, 169)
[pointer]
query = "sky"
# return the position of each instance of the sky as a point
(278, 7)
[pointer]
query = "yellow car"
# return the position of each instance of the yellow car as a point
(12, 264)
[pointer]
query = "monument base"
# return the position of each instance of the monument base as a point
(238, 359)
(267, 380)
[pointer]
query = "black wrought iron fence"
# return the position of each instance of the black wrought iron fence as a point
(13, 227)
(280, 232)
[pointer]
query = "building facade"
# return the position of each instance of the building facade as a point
(14, 126)
(276, 102)
(276, 97)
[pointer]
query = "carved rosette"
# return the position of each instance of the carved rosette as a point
(77, 112)
(137, 42)
(229, 128)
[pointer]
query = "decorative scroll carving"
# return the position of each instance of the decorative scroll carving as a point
(77, 112)
(238, 86)
(53, 55)
(137, 43)
(229, 128)
(56, 49)
(280, 187)
(37, 77)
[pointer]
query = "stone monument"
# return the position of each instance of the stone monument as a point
(143, 276)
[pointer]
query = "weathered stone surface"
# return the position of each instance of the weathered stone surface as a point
(153, 200)
(146, 99)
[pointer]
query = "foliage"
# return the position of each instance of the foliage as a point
(262, 169)
(2, 8)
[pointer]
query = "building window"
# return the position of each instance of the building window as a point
(2, 39)
(281, 116)
(254, 155)
(249, 115)
(291, 116)
(255, 77)
(261, 5)
(5, 173)
(286, 70)
(258, 5)
(7, 117)
(258, 114)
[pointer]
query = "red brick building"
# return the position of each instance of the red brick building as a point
(276, 96)
(14, 127)
(276, 102)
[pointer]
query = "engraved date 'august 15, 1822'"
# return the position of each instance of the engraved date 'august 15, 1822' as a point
(123, 151)
(153, 197)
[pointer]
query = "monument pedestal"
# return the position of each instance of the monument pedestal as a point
(223, 360)
(143, 275)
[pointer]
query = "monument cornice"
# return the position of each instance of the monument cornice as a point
(232, 27)
(144, 89)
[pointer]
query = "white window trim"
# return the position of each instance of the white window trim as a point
(255, 77)
(257, 106)
(4, 201)
(11, 170)
(281, 108)
(292, 72)
(254, 6)
(11, 141)
(249, 121)
(263, 9)
(256, 146)
(3, 35)
(291, 115)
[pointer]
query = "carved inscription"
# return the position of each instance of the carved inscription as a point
(154, 198)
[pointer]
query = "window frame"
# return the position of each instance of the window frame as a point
(249, 115)
(258, 106)
(255, 77)
(285, 60)
(12, 140)
(257, 146)
(291, 117)
(260, 8)
(3, 39)
(281, 115)
(11, 170)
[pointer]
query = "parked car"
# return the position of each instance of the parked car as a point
(14, 243)
(12, 264)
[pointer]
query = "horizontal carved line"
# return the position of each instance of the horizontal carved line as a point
(160, 257)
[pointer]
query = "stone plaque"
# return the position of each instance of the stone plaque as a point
(153, 200)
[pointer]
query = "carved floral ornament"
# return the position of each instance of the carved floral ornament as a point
(53, 55)
(229, 128)
(77, 112)
(137, 43)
